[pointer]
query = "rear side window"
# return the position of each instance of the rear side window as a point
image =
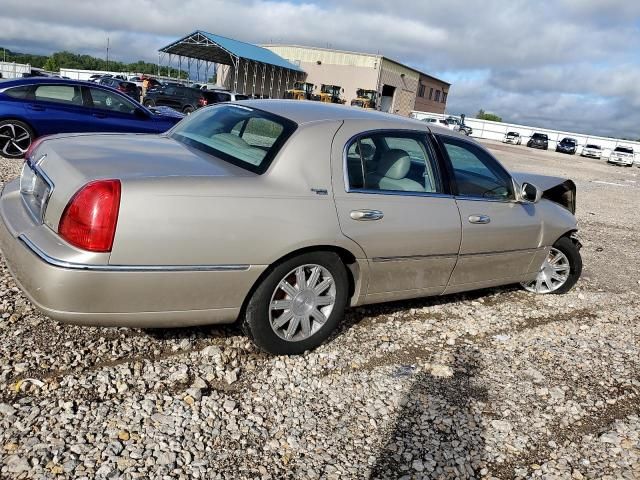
(18, 92)
(398, 162)
(69, 94)
(475, 172)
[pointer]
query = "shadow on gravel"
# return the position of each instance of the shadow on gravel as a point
(438, 432)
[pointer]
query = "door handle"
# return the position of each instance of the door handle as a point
(481, 219)
(37, 108)
(366, 215)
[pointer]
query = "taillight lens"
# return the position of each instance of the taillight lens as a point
(89, 219)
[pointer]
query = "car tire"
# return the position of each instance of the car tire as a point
(570, 258)
(188, 110)
(260, 322)
(15, 138)
(149, 103)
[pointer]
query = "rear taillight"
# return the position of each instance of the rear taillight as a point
(202, 102)
(89, 219)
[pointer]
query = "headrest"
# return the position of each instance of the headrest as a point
(394, 164)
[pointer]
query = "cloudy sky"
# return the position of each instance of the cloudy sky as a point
(566, 64)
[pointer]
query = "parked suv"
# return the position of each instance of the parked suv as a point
(183, 99)
(567, 145)
(539, 140)
(512, 137)
(128, 88)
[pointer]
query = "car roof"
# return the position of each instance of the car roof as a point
(37, 80)
(302, 112)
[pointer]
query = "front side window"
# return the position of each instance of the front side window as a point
(106, 100)
(398, 162)
(475, 172)
(68, 94)
(245, 137)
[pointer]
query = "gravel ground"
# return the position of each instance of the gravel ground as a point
(493, 384)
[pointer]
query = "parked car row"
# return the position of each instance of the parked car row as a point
(621, 155)
(451, 123)
(187, 99)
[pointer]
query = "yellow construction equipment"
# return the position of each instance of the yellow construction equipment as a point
(329, 94)
(300, 91)
(365, 99)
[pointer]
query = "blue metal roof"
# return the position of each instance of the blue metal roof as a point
(219, 49)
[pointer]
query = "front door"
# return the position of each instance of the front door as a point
(390, 199)
(500, 237)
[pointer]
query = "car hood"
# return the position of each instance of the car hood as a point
(556, 189)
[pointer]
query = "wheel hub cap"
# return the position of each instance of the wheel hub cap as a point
(14, 140)
(554, 273)
(302, 302)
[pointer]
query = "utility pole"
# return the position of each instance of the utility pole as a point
(107, 53)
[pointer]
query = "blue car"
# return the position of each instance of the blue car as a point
(32, 107)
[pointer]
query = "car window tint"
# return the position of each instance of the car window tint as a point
(111, 101)
(59, 93)
(476, 173)
(169, 90)
(18, 92)
(391, 162)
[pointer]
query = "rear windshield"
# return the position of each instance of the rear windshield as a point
(243, 136)
(624, 149)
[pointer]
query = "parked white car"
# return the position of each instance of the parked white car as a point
(622, 156)
(592, 150)
(512, 137)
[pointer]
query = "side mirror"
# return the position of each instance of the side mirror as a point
(530, 193)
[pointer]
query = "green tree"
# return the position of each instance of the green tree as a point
(51, 65)
(482, 115)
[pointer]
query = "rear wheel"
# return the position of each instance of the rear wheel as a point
(15, 138)
(298, 304)
(560, 270)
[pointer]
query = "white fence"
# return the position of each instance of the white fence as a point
(497, 130)
(13, 69)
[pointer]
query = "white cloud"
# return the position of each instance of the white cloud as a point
(542, 61)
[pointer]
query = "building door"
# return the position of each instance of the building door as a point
(386, 99)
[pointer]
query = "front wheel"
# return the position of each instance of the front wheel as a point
(298, 304)
(188, 110)
(560, 270)
(15, 138)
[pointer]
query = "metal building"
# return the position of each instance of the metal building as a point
(239, 66)
(401, 89)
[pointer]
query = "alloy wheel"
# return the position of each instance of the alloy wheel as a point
(14, 140)
(302, 302)
(553, 273)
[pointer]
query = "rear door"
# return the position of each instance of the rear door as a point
(57, 108)
(391, 200)
(500, 237)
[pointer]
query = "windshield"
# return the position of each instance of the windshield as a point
(624, 149)
(540, 136)
(597, 147)
(243, 136)
(513, 134)
(568, 140)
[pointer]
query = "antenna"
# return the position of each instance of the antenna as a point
(107, 53)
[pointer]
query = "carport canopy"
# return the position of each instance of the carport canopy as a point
(217, 49)
(252, 68)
